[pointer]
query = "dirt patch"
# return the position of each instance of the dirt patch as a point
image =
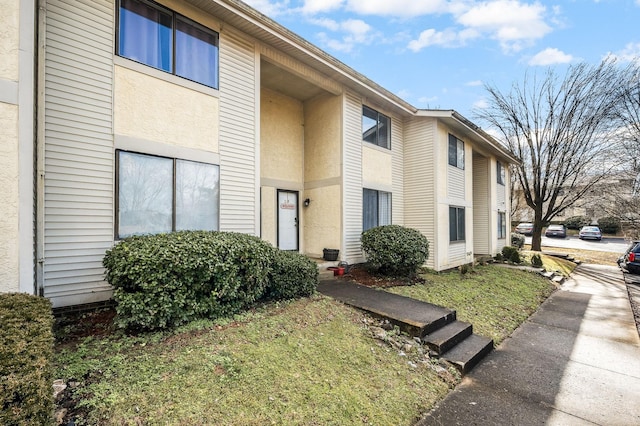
(361, 275)
(72, 326)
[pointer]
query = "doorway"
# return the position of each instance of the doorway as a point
(288, 220)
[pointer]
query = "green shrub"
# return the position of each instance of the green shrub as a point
(26, 346)
(609, 225)
(536, 261)
(499, 257)
(511, 253)
(517, 240)
(292, 275)
(395, 250)
(169, 279)
(576, 222)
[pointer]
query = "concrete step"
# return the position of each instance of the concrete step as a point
(443, 339)
(466, 354)
(413, 317)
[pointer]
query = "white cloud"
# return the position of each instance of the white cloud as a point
(474, 83)
(399, 8)
(550, 56)
(480, 104)
(268, 7)
(320, 6)
(630, 53)
(512, 23)
(431, 37)
(355, 31)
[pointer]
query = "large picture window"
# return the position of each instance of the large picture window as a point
(158, 194)
(153, 35)
(456, 152)
(376, 208)
(456, 224)
(376, 128)
(502, 225)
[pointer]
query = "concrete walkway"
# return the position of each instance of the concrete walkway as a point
(576, 361)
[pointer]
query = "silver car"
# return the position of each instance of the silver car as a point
(525, 228)
(590, 233)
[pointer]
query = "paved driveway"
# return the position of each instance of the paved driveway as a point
(576, 361)
(614, 245)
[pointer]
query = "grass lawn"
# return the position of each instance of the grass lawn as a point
(311, 361)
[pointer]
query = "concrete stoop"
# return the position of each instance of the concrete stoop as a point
(437, 327)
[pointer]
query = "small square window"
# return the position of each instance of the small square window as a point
(376, 128)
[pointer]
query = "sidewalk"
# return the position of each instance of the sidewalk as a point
(576, 361)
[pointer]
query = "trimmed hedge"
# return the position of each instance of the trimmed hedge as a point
(576, 222)
(165, 280)
(609, 224)
(26, 346)
(517, 240)
(511, 254)
(395, 250)
(292, 275)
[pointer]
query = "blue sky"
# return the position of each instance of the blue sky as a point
(438, 54)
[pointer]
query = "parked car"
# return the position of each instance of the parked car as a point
(590, 233)
(556, 231)
(630, 260)
(525, 228)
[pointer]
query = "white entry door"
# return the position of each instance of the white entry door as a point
(287, 220)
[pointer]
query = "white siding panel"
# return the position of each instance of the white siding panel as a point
(419, 181)
(457, 254)
(78, 153)
(397, 171)
(455, 183)
(352, 180)
(481, 208)
(501, 197)
(238, 159)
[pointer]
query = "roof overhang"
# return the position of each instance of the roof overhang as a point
(248, 20)
(480, 138)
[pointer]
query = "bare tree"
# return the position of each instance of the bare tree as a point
(560, 129)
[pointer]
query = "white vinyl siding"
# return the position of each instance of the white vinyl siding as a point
(455, 183)
(397, 171)
(238, 127)
(501, 197)
(481, 207)
(352, 172)
(457, 254)
(420, 181)
(78, 151)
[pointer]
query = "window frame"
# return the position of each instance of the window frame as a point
(174, 194)
(386, 144)
(459, 214)
(459, 158)
(502, 225)
(175, 17)
(377, 203)
(500, 172)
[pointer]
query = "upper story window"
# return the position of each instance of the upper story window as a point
(153, 35)
(456, 152)
(376, 128)
(500, 173)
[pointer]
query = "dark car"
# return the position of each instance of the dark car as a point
(590, 233)
(630, 260)
(525, 228)
(556, 231)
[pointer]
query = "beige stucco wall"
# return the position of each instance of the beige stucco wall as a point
(9, 39)
(322, 219)
(281, 137)
(376, 168)
(323, 133)
(9, 201)
(152, 109)
(269, 215)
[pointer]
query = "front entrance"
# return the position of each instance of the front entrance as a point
(287, 220)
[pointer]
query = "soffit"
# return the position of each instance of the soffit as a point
(275, 78)
(248, 20)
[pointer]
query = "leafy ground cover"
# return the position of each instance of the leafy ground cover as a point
(310, 361)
